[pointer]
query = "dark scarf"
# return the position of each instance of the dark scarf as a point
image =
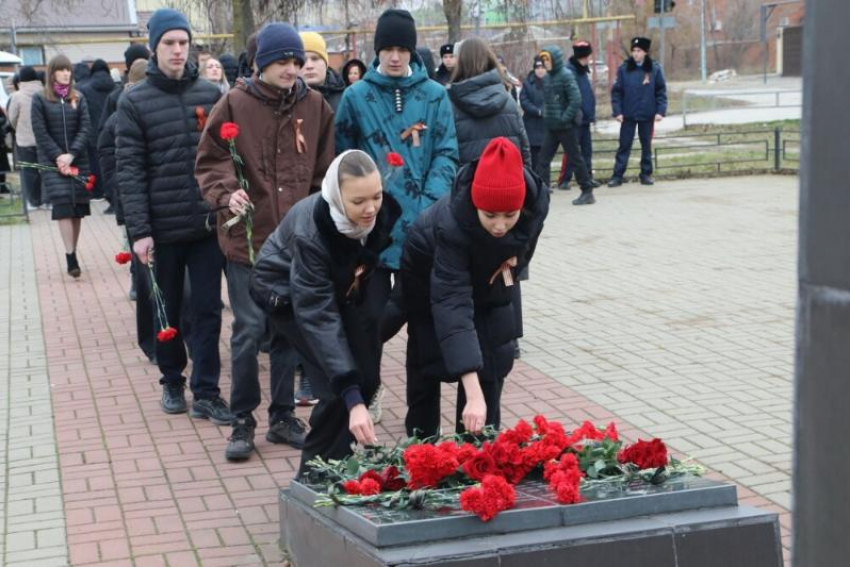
(581, 69)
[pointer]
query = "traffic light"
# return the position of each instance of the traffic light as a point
(662, 6)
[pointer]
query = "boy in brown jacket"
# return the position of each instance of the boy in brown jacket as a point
(286, 142)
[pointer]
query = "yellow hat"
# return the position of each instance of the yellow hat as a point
(314, 42)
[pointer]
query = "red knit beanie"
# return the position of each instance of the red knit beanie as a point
(499, 182)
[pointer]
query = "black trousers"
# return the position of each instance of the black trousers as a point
(569, 140)
(627, 137)
(204, 261)
(585, 141)
(329, 436)
(423, 404)
(30, 178)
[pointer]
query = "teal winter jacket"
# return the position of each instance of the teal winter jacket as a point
(375, 114)
(561, 94)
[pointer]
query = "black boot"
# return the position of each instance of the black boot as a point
(586, 198)
(73, 265)
(615, 181)
(647, 180)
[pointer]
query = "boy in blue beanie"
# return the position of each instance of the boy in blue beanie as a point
(159, 123)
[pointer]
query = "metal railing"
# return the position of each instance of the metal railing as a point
(765, 150)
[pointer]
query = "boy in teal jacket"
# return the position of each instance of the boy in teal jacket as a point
(397, 108)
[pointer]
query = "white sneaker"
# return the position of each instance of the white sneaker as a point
(375, 410)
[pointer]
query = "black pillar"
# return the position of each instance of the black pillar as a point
(822, 420)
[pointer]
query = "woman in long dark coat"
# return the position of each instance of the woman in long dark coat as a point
(61, 124)
(457, 277)
(313, 275)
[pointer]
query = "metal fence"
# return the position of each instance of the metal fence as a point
(13, 203)
(732, 152)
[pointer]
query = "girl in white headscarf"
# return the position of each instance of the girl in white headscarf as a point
(313, 276)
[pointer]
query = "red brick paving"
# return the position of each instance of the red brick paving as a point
(144, 488)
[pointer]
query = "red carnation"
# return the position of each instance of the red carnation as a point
(122, 258)
(351, 487)
(394, 159)
(90, 183)
(391, 480)
(369, 487)
(564, 478)
(166, 334)
(427, 464)
(645, 454)
(480, 466)
(493, 496)
(229, 131)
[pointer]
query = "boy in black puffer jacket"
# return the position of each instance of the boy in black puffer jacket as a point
(159, 125)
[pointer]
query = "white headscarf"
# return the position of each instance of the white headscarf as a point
(332, 194)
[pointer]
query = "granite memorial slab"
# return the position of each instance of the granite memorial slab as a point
(536, 508)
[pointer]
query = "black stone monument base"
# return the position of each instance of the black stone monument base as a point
(721, 535)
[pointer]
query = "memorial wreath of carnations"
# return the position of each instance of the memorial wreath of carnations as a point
(478, 473)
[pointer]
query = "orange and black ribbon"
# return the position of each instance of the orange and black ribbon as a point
(505, 271)
(202, 118)
(355, 286)
(300, 141)
(413, 132)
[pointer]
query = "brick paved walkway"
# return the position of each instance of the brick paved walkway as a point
(669, 309)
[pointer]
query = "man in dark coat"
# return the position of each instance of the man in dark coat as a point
(159, 125)
(278, 116)
(562, 114)
(317, 73)
(230, 65)
(531, 99)
(582, 50)
(639, 100)
(447, 55)
(133, 53)
(96, 90)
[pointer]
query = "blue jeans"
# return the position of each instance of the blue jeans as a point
(249, 329)
(627, 137)
(204, 260)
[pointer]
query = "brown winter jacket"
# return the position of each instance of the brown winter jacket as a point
(280, 172)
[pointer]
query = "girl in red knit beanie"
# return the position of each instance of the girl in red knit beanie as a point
(456, 287)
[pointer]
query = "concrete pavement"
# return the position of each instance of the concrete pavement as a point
(669, 309)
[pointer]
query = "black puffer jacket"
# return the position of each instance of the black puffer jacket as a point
(532, 101)
(97, 90)
(460, 318)
(159, 125)
(62, 128)
(106, 155)
(230, 65)
(305, 271)
(485, 110)
(110, 106)
(332, 89)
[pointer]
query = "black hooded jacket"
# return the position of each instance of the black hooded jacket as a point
(230, 65)
(97, 90)
(306, 272)
(458, 306)
(484, 110)
(332, 89)
(159, 125)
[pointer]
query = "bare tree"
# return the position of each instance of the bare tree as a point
(454, 11)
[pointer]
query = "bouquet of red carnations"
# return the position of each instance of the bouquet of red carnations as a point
(479, 473)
